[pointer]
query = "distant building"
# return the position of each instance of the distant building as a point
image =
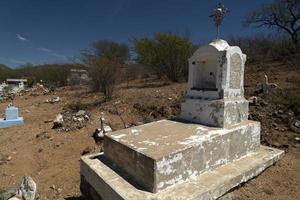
(16, 85)
(79, 77)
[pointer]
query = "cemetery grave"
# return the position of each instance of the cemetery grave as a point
(211, 148)
(55, 154)
(228, 131)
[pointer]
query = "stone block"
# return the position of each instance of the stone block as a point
(9, 123)
(217, 113)
(101, 180)
(164, 153)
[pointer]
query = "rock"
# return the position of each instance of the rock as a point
(264, 103)
(4, 159)
(98, 135)
(291, 114)
(295, 126)
(53, 100)
(59, 190)
(80, 119)
(52, 187)
(56, 99)
(9, 158)
(74, 119)
(58, 122)
(86, 117)
(253, 100)
(275, 124)
(28, 188)
(9, 194)
(80, 113)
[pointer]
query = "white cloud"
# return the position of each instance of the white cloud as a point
(51, 53)
(22, 38)
(17, 61)
(59, 55)
(44, 49)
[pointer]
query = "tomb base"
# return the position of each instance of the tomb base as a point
(11, 122)
(101, 180)
(151, 159)
(160, 154)
(217, 113)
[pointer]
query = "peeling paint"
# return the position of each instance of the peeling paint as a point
(135, 131)
(165, 166)
(118, 136)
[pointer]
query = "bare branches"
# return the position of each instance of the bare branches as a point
(281, 14)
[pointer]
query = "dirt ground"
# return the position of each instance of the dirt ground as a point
(51, 157)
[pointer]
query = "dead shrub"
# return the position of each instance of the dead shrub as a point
(76, 106)
(105, 73)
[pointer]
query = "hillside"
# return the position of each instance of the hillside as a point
(4, 67)
(51, 156)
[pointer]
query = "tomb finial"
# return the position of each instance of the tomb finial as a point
(218, 15)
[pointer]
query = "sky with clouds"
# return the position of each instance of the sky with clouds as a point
(44, 31)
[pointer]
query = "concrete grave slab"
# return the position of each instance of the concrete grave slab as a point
(100, 180)
(160, 154)
(11, 118)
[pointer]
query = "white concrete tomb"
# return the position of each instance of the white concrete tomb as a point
(213, 149)
(215, 94)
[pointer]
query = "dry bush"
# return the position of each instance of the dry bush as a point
(264, 48)
(104, 73)
(76, 106)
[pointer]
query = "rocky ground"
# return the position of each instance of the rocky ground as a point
(51, 156)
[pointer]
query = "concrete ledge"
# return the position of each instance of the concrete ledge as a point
(161, 154)
(106, 182)
(11, 122)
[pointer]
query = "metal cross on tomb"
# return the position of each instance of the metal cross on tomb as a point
(218, 15)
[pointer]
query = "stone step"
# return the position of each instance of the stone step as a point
(99, 180)
(161, 154)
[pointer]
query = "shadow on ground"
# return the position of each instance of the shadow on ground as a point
(75, 198)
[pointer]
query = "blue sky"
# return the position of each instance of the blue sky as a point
(55, 31)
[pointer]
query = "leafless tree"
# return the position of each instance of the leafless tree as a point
(283, 15)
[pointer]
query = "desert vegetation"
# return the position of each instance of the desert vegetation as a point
(166, 53)
(104, 61)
